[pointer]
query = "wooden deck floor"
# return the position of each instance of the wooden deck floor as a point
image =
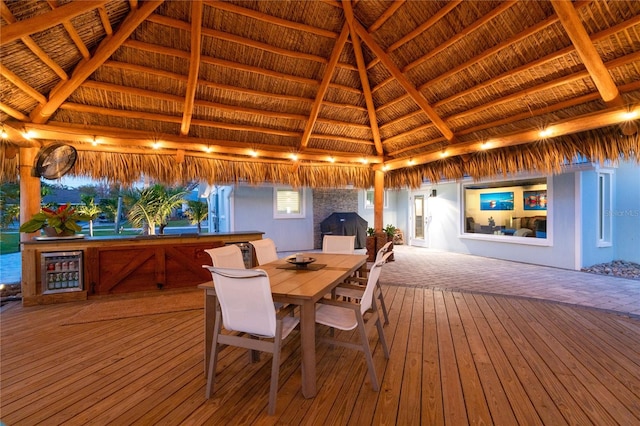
(456, 358)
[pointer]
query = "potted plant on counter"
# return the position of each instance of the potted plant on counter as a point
(59, 222)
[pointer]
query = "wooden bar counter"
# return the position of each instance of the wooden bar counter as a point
(114, 265)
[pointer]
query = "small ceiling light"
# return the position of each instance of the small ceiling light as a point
(4, 133)
(545, 133)
(28, 134)
(412, 162)
(629, 115)
(94, 142)
(364, 161)
(294, 157)
(385, 167)
(485, 145)
(156, 145)
(332, 160)
(253, 153)
(443, 153)
(208, 149)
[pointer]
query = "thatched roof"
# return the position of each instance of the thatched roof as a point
(231, 90)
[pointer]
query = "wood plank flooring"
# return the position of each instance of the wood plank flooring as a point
(456, 358)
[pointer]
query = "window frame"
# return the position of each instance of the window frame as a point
(301, 203)
(370, 205)
(604, 222)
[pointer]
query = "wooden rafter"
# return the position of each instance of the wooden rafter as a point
(122, 138)
(404, 82)
(508, 74)
(32, 45)
(587, 52)
(202, 103)
(364, 79)
(609, 117)
(84, 69)
(194, 65)
(13, 112)
(324, 85)
(104, 18)
(628, 59)
(22, 85)
(12, 32)
(71, 30)
(385, 15)
(233, 65)
(462, 34)
(229, 7)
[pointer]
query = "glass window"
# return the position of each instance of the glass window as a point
(288, 203)
(369, 197)
(604, 209)
(512, 208)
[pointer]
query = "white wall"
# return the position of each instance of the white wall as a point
(395, 214)
(557, 249)
(626, 214)
(253, 207)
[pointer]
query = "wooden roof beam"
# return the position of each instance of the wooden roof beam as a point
(385, 15)
(104, 18)
(406, 84)
(12, 32)
(124, 138)
(71, 30)
(85, 68)
(588, 54)
(270, 19)
(32, 45)
(22, 85)
(194, 65)
(609, 117)
(364, 79)
(13, 112)
(324, 85)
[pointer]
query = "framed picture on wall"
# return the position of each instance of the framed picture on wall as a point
(496, 201)
(535, 200)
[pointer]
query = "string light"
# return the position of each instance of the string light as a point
(332, 160)
(545, 133)
(253, 153)
(94, 142)
(4, 133)
(629, 115)
(443, 153)
(294, 157)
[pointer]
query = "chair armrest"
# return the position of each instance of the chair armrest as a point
(285, 311)
(340, 304)
(352, 287)
(361, 281)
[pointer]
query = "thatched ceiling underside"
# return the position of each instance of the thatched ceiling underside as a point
(320, 93)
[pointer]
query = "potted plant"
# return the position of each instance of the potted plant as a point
(390, 232)
(371, 244)
(59, 222)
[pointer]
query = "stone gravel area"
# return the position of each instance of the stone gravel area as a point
(617, 268)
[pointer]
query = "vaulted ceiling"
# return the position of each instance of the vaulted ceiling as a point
(320, 93)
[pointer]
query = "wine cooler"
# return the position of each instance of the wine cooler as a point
(61, 271)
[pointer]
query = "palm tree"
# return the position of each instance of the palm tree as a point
(152, 205)
(89, 209)
(197, 212)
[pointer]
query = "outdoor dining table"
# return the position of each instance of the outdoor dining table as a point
(300, 286)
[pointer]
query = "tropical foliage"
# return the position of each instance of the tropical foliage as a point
(63, 219)
(197, 212)
(152, 206)
(89, 209)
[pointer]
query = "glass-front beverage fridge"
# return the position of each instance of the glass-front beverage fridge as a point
(61, 271)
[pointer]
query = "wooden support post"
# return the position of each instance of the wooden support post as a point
(378, 200)
(29, 189)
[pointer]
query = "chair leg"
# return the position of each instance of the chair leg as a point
(213, 361)
(382, 304)
(367, 353)
(275, 369)
(383, 340)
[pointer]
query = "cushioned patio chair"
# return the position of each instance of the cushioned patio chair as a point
(245, 305)
(265, 250)
(339, 244)
(362, 315)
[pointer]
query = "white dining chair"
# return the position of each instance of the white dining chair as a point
(339, 244)
(356, 292)
(245, 305)
(229, 256)
(361, 315)
(265, 250)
